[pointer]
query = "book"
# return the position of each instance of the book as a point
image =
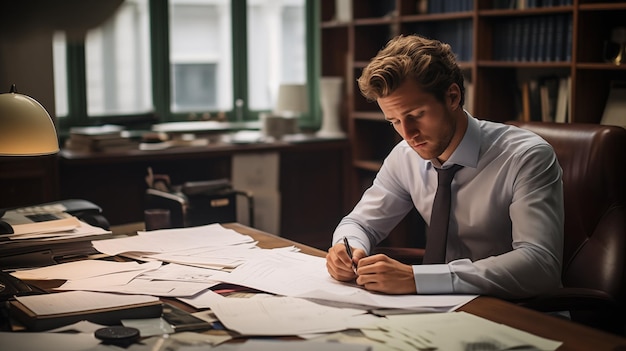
(97, 131)
(525, 108)
(549, 95)
(545, 104)
(535, 100)
(615, 108)
(563, 100)
(48, 311)
(100, 144)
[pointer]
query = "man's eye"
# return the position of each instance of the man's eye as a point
(419, 115)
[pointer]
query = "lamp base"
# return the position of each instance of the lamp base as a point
(329, 134)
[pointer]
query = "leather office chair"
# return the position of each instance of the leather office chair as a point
(593, 159)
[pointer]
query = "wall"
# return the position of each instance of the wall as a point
(26, 40)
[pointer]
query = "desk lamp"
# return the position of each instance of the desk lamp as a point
(291, 103)
(26, 129)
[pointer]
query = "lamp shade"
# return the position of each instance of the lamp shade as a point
(26, 128)
(292, 100)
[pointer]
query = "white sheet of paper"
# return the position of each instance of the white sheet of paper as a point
(160, 288)
(78, 270)
(113, 279)
(205, 299)
(281, 316)
(301, 275)
(454, 331)
(172, 240)
(290, 345)
(179, 272)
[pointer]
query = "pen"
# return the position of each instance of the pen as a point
(349, 251)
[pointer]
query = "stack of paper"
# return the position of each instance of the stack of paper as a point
(64, 236)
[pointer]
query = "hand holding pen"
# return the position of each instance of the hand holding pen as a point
(349, 252)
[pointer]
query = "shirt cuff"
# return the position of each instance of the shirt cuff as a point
(433, 279)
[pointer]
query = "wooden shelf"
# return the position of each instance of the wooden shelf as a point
(581, 29)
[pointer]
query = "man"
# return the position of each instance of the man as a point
(505, 231)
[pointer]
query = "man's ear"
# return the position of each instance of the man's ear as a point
(453, 96)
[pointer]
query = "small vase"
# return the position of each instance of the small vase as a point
(330, 97)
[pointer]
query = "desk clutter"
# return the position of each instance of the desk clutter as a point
(239, 290)
(192, 203)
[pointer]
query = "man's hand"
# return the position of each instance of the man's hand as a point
(339, 264)
(376, 273)
(386, 275)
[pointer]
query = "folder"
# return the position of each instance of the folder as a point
(106, 316)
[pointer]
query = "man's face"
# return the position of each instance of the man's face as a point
(424, 122)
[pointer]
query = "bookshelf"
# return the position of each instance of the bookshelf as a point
(500, 45)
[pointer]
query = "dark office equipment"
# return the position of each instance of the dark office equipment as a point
(84, 210)
(200, 203)
(32, 252)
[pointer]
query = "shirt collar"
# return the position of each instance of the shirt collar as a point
(466, 154)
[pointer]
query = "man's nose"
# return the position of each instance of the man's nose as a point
(409, 130)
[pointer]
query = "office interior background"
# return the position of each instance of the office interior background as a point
(141, 62)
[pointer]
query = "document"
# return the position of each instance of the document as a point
(281, 316)
(290, 345)
(82, 269)
(455, 331)
(172, 240)
(299, 275)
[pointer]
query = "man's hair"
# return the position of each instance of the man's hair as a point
(431, 63)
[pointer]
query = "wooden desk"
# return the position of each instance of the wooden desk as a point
(574, 336)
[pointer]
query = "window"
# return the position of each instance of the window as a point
(200, 55)
(118, 63)
(184, 58)
(195, 87)
(276, 47)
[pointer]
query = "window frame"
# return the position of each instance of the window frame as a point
(161, 79)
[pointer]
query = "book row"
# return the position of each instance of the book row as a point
(534, 38)
(523, 4)
(456, 33)
(443, 6)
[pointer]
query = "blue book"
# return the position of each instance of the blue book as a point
(524, 53)
(550, 39)
(559, 38)
(541, 38)
(568, 40)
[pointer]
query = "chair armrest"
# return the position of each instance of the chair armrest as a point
(406, 255)
(570, 299)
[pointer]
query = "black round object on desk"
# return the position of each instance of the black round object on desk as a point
(117, 335)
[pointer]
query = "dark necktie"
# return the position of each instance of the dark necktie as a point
(437, 233)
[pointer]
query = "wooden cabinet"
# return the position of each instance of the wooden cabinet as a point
(498, 48)
(28, 180)
(312, 178)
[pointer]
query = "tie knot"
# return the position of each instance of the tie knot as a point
(445, 175)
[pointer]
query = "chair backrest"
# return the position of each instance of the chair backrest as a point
(593, 159)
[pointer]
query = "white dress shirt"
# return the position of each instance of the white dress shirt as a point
(505, 235)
